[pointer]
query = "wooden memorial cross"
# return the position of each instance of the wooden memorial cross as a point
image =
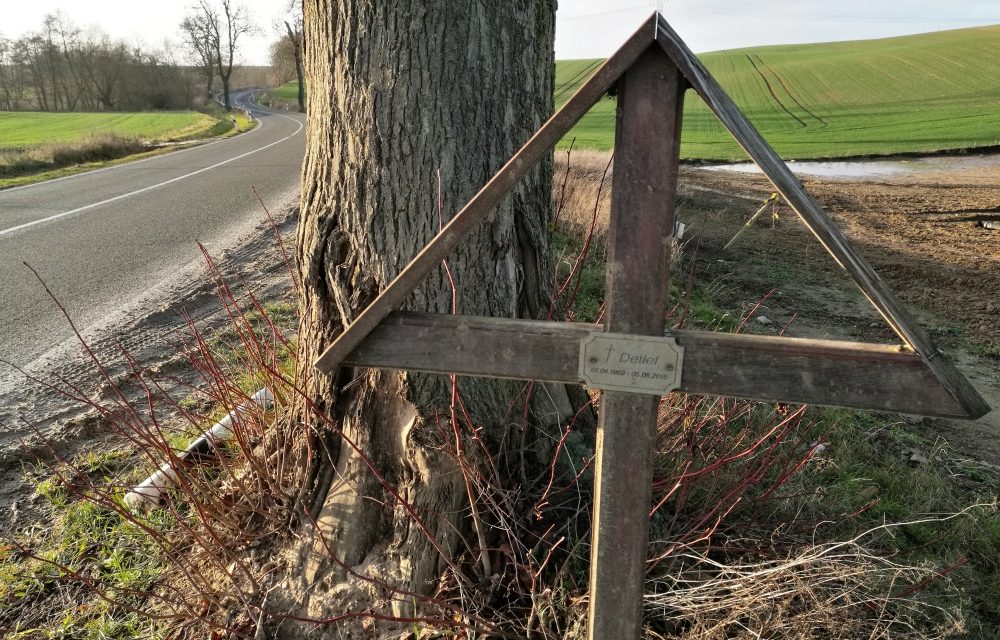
(630, 358)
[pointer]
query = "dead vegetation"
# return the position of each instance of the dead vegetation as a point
(754, 527)
(55, 155)
(829, 590)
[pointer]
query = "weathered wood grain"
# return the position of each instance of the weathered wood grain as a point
(474, 346)
(650, 99)
(821, 372)
(818, 221)
(481, 204)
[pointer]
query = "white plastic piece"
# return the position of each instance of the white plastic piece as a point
(152, 488)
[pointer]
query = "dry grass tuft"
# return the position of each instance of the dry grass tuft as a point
(829, 590)
(582, 186)
(94, 148)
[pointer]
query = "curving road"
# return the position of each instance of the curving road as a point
(102, 239)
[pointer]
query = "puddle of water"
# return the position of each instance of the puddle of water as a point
(873, 168)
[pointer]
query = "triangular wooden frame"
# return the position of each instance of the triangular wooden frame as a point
(914, 378)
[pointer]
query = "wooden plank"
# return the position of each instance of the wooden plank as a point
(817, 220)
(821, 372)
(647, 153)
(476, 209)
(475, 346)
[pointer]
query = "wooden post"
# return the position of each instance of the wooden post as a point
(647, 148)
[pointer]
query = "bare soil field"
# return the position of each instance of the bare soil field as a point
(919, 231)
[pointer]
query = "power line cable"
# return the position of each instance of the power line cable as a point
(602, 13)
(573, 82)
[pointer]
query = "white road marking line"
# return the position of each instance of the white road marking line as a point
(56, 216)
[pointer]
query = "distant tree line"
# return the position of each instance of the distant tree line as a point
(61, 67)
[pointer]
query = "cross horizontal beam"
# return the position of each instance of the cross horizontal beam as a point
(822, 372)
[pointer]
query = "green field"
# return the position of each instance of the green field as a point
(288, 91)
(921, 93)
(23, 129)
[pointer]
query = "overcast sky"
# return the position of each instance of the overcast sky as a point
(585, 28)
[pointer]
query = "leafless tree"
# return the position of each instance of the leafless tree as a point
(293, 38)
(11, 79)
(282, 61)
(102, 65)
(62, 68)
(201, 53)
(220, 26)
(389, 107)
(63, 39)
(33, 54)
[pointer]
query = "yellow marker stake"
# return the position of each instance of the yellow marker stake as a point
(773, 198)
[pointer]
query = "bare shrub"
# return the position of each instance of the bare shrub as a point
(93, 148)
(832, 590)
(205, 549)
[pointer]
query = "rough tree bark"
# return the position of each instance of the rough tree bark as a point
(399, 92)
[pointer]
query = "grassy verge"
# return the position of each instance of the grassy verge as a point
(879, 468)
(242, 124)
(47, 573)
(50, 174)
(288, 91)
(35, 147)
(284, 97)
(88, 567)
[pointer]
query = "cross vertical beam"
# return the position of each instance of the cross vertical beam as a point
(647, 149)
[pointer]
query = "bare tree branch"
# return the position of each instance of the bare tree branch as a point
(218, 27)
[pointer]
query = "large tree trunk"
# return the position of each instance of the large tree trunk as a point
(300, 80)
(225, 92)
(295, 40)
(398, 93)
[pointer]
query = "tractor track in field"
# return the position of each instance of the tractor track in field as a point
(789, 91)
(774, 94)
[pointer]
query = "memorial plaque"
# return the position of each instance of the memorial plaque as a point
(632, 363)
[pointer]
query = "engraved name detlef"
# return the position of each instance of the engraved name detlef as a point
(637, 364)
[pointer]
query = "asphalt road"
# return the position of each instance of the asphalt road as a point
(104, 238)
